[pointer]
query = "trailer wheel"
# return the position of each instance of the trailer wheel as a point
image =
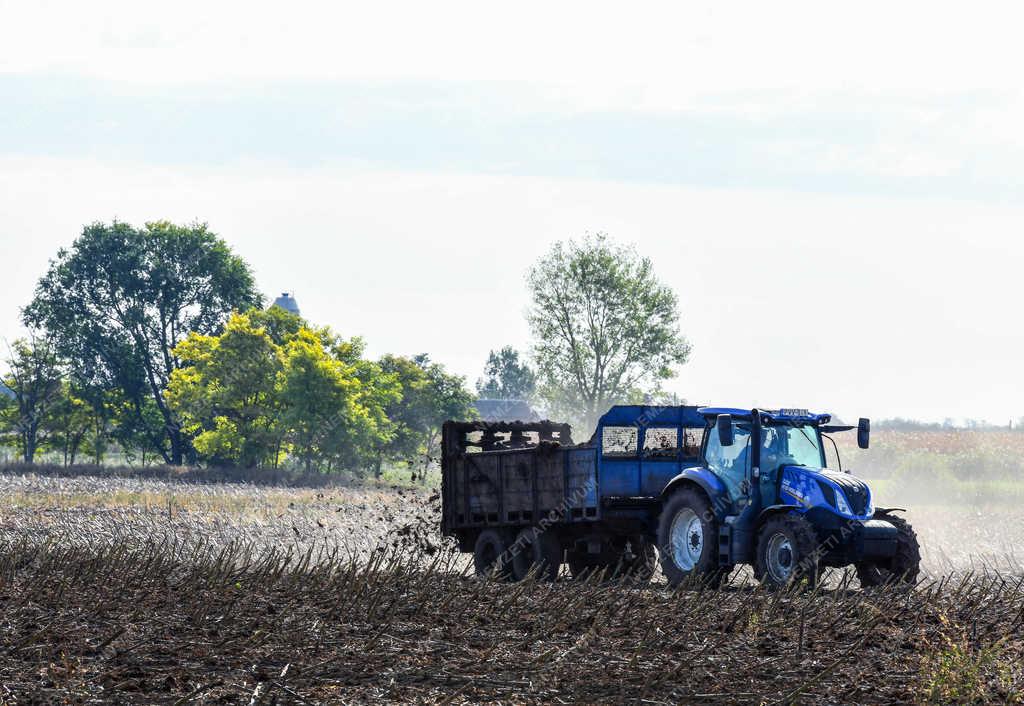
(688, 538)
(903, 568)
(539, 548)
(786, 552)
(491, 556)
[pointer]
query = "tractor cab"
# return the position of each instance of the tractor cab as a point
(742, 460)
(778, 458)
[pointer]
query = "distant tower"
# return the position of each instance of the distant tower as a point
(287, 302)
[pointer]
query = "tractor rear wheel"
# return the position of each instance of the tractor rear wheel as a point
(538, 548)
(786, 552)
(905, 565)
(491, 556)
(688, 539)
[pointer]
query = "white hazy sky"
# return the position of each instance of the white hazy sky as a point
(833, 191)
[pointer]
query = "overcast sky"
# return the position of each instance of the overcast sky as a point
(835, 193)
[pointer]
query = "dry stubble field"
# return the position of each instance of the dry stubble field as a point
(142, 591)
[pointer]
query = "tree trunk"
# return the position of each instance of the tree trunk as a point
(177, 455)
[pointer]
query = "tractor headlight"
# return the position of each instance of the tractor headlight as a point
(841, 504)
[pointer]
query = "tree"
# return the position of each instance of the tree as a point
(604, 327)
(270, 386)
(227, 394)
(6, 417)
(35, 378)
(409, 414)
(506, 377)
(69, 422)
(118, 303)
(430, 396)
(281, 325)
(335, 408)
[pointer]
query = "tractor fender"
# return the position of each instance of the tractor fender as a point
(708, 482)
(771, 511)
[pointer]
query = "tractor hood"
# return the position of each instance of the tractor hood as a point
(841, 493)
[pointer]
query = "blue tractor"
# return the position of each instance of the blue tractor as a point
(703, 488)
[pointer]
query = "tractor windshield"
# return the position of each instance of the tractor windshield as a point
(791, 445)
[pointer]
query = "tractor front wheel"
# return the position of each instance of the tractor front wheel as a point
(903, 568)
(786, 552)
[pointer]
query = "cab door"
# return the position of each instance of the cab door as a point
(731, 463)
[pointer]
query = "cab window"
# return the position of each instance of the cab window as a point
(790, 445)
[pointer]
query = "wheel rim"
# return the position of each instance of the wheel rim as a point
(781, 560)
(687, 536)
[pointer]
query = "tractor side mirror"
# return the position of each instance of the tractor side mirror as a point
(863, 432)
(724, 425)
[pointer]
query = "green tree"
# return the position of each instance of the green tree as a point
(430, 396)
(69, 422)
(227, 394)
(409, 414)
(134, 424)
(6, 405)
(118, 303)
(506, 377)
(35, 378)
(335, 402)
(604, 327)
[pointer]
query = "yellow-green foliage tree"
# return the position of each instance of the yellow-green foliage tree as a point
(228, 394)
(271, 388)
(334, 407)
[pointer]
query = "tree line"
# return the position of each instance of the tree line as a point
(154, 341)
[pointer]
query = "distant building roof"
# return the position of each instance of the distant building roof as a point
(6, 391)
(287, 302)
(506, 411)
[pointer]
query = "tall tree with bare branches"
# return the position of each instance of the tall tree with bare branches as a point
(605, 329)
